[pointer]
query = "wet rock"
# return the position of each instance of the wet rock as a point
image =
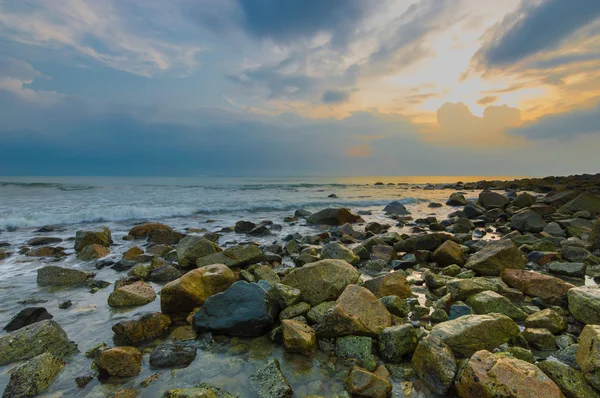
(143, 230)
(495, 257)
(489, 375)
(527, 221)
(423, 242)
(456, 199)
(396, 208)
(192, 247)
(138, 293)
(492, 200)
(464, 334)
(52, 275)
(358, 348)
(335, 250)
(34, 376)
(397, 341)
(322, 280)
(172, 355)
(46, 251)
(540, 339)
(119, 361)
(488, 302)
(123, 265)
(164, 237)
(93, 252)
(333, 216)
(26, 317)
(43, 241)
(33, 340)
(132, 253)
(547, 319)
(448, 253)
(203, 390)
(235, 256)
(584, 304)
(245, 309)
(535, 284)
(99, 236)
(434, 362)
(366, 384)
(269, 382)
(192, 289)
(65, 304)
(298, 337)
(143, 328)
(570, 381)
(166, 273)
(357, 312)
(393, 284)
(588, 354)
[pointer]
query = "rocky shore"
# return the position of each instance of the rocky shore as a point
(498, 299)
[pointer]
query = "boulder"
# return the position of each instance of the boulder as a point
(487, 375)
(434, 362)
(492, 200)
(138, 293)
(171, 355)
(363, 383)
(285, 295)
(192, 247)
(143, 328)
(235, 256)
(132, 253)
(535, 284)
(93, 252)
(245, 309)
(423, 242)
(448, 253)
(34, 376)
(298, 337)
(573, 270)
(100, 236)
(358, 348)
(570, 381)
(164, 237)
(495, 257)
(316, 313)
(471, 333)
(164, 274)
(33, 340)
(52, 275)
(584, 202)
(584, 304)
(547, 319)
(488, 302)
(396, 208)
(588, 354)
(356, 312)
(333, 216)
(456, 199)
(269, 382)
(46, 251)
(119, 361)
(392, 284)
(143, 230)
(194, 288)
(397, 341)
(527, 221)
(26, 317)
(43, 241)
(337, 251)
(322, 281)
(523, 199)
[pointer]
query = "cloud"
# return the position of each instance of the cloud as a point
(335, 96)
(360, 151)
(490, 99)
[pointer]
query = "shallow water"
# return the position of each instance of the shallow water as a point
(206, 203)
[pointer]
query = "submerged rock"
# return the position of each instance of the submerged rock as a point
(34, 376)
(269, 382)
(366, 384)
(52, 275)
(170, 355)
(26, 317)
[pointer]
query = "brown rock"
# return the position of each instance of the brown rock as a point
(120, 361)
(138, 293)
(132, 253)
(143, 230)
(146, 327)
(93, 252)
(392, 284)
(449, 253)
(535, 284)
(366, 384)
(298, 337)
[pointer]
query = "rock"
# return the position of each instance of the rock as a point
(294, 311)
(448, 253)
(195, 287)
(584, 202)
(488, 302)
(434, 362)
(100, 236)
(383, 253)
(285, 295)
(523, 199)
(143, 328)
(397, 341)
(357, 312)
(138, 293)
(492, 200)
(356, 347)
(423, 242)
(456, 199)
(26, 317)
(171, 355)
(495, 257)
(396, 208)
(33, 340)
(34, 376)
(588, 354)
(164, 274)
(43, 241)
(119, 361)
(547, 319)
(192, 247)
(245, 309)
(577, 254)
(489, 375)
(584, 304)
(298, 337)
(143, 230)
(123, 265)
(333, 216)
(555, 229)
(464, 334)
(269, 382)
(337, 251)
(203, 390)
(93, 252)
(366, 384)
(164, 237)
(392, 284)
(322, 280)
(535, 284)
(132, 253)
(396, 305)
(265, 272)
(316, 313)
(570, 381)
(595, 236)
(235, 256)
(52, 275)
(540, 339)
(527, 221)
(46, 252)
(573, 270)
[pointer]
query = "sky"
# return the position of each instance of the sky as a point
(299, 87)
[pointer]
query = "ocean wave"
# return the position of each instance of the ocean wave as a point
(54, 185)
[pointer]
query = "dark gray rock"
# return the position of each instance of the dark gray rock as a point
(26, 317)
(172, 355)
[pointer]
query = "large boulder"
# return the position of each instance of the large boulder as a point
(52, 275)
(471, 333)
(192, 247)
(245, 309)
(119, 361)
(333, 216)
(138, 293)
(584, 202)
(535, 284)
(456, 199)
(487, 375)
(269, 382)
(363, 383)
(488, 302)
(449, 253)
(337, 251)
(192, 289)
(547, 319)
(396, 208)
(34, 376)
(100, 236)
(423, 242)
(584, 304)
(322, 281)
(298, 337)
(527, 221)
(33, 340)
(524, 199)
(356, 312)
(143, 230)
(569, 380)
(588, 354)
(235, 256)
(492, 200)
(26, 317)
(496, 256)
(146, 327)
(392, 284)
(434, 362)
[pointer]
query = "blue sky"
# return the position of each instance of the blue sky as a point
(299, 87)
